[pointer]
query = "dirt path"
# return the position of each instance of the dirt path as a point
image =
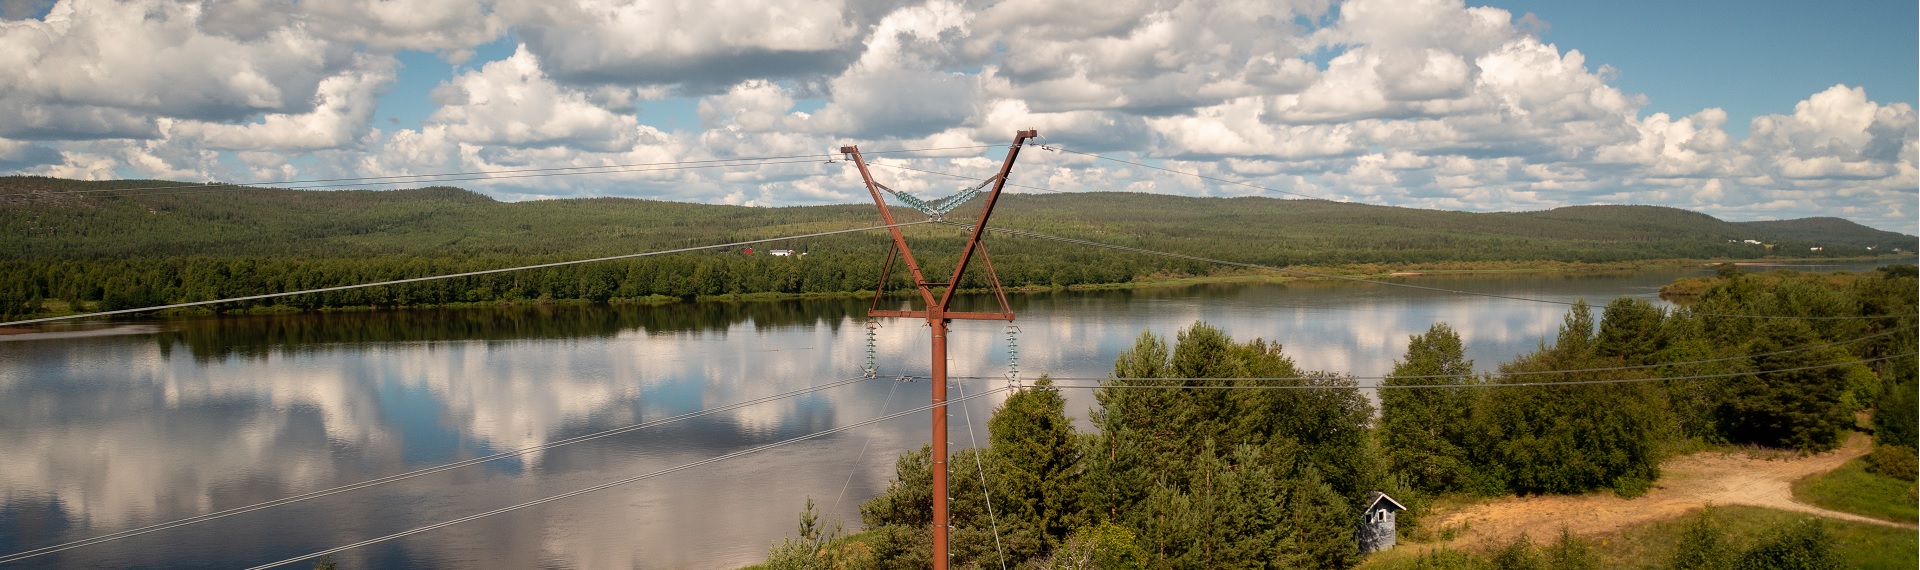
(1688, 483)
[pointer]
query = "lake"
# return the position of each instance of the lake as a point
(107, 428)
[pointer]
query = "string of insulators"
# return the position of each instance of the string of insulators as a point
(872, 370)
(941, 207)
(1013, 356)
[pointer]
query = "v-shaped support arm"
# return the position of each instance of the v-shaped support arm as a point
(936, 306)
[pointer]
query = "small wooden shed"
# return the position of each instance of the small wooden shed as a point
(1376, 523)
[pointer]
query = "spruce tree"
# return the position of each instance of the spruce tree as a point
(1035, 466)
(1800, 406)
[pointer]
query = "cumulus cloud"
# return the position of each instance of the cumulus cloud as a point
(1835, 134)
(150, 58)
(700, 45)
(512, 102)
(1426, 103)
(452, 27)
(1144, 56)
(899, 86)
(344, 106)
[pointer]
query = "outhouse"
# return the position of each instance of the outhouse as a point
(1376, 522)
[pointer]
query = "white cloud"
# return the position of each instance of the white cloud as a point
(1427, 103)
(702, 45)
(345, 106)
(1143, 56)
(452, 27)
(1836, 134)
(511, 102)
(898, 87)
(149, 58)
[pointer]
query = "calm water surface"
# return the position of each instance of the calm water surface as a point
(116, 428)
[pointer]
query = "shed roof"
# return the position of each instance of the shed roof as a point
(1379, 496)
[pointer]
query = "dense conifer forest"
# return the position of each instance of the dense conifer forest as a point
(66, 247)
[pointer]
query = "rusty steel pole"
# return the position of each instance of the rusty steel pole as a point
(940, 516)
(938, 317)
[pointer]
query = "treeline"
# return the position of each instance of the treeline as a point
(27, 286)
(133, 249)
(1274, 471)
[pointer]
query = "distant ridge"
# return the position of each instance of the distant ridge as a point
(54, 222)
(1827, 230)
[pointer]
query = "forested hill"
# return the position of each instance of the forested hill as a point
(237, 221)
(1826, 230)
(79, 251)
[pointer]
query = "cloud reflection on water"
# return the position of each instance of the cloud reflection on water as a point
(131, 430)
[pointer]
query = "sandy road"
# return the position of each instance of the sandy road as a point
(1688, 482)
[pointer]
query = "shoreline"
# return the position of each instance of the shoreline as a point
(1346, 273)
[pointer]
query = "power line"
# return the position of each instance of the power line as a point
(456, 275)
(1193, 174)
(609, 485)
(863, 450)
(982, 470)
(1527, 372)
(22, 555)
(1436, 386)
(1364, 280)
(961, 176)
(418, 178)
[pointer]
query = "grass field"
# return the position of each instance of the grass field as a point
(1862, 545)
(1852, 489)
(1652, 545)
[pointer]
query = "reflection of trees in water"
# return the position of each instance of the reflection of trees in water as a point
(27, 515)
(212, 338)
(256, 335)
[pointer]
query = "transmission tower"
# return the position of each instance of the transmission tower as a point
(935, 307)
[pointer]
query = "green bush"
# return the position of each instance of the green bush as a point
(1517, 555)
(1897, 461)
(1703, 545)
(1571, 553)
(1107, 546)
(1803, 545)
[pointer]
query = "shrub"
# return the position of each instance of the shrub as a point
(1571, 553)
(1803, 545)
(1897, 461)
(1517, 555)
(1703, 545)
(1106, 546)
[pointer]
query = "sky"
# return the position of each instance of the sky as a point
(1746, 110)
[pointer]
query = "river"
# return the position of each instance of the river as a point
(108, 428)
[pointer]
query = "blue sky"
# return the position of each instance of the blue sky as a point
(1749, 57)
(1424, 103)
